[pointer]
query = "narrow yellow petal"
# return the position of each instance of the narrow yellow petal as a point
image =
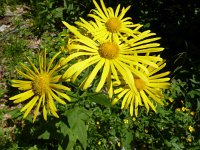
(52, 108)
(25, 94)
(25, 75)
(34, 100)
(72, 56)
(109, 85)
(28, 70)
(99, 10)
(159, 80)
(105, 73)
(164, 85)
(93, 74)
(32, 64)
(56, 97)
(117, 10)
(37, 108)
(62, 95)
(59, 86)
(146, 99)
(159, 75)
(104, 8)
(132, 105)
(90, 61)
(44, 113)
(154, 97)
(125, 99)
(52, 60)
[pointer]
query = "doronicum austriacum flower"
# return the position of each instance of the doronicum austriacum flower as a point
(108, 23)
(111, 58)
(149, 92)
(41, 86)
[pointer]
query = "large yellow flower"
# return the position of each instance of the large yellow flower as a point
(40, 87)
(109, 24)
(110, 58)
(149, 92)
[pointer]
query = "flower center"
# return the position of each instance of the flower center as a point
(108, 50)
(139, 83)
(113, 25)
(41, 83)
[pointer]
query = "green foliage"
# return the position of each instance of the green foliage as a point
(48, 14)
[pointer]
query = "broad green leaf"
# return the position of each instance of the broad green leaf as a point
(81, 133)
(72, 140)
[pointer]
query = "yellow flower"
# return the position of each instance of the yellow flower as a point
(185, 109)
(109, 24)
(189, 139)
(191, 129)
(118, 144)
(148, 92)
(110, 58)
(40, 87)
(126, 121)
(192, 113)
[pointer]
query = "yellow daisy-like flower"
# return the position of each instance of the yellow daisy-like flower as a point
(148, 91)
(40, 87)
(112, 57)
(109, 24)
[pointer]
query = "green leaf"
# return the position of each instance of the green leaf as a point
(100, 99)
(72, 140)
(44, 135)
(2, 91)
(81, 132)
(15, 113)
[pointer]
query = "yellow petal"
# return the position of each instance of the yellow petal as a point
(29, 106)
(93, 74)
(57, 98)
(44, 113)
(26, 94)
(52, 60)
(59, 86)
(62, 95)
(105, 72)
(37, 108)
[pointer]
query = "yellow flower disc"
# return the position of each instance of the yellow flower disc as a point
(109, 50)
(139, 83)
(113, 25)
(41, 84)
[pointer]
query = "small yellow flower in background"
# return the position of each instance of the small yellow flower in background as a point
(189, 139)
(118, 144)
(191, 129)
(99, 143)
(109, 23)
(126, 121)
(41, 87)
(171, 100)
(185, 109)
(146, 131)
(178, 109)
(134, 119)
(192, 113)
(149, 92)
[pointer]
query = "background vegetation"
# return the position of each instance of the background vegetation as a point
(90, 123)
